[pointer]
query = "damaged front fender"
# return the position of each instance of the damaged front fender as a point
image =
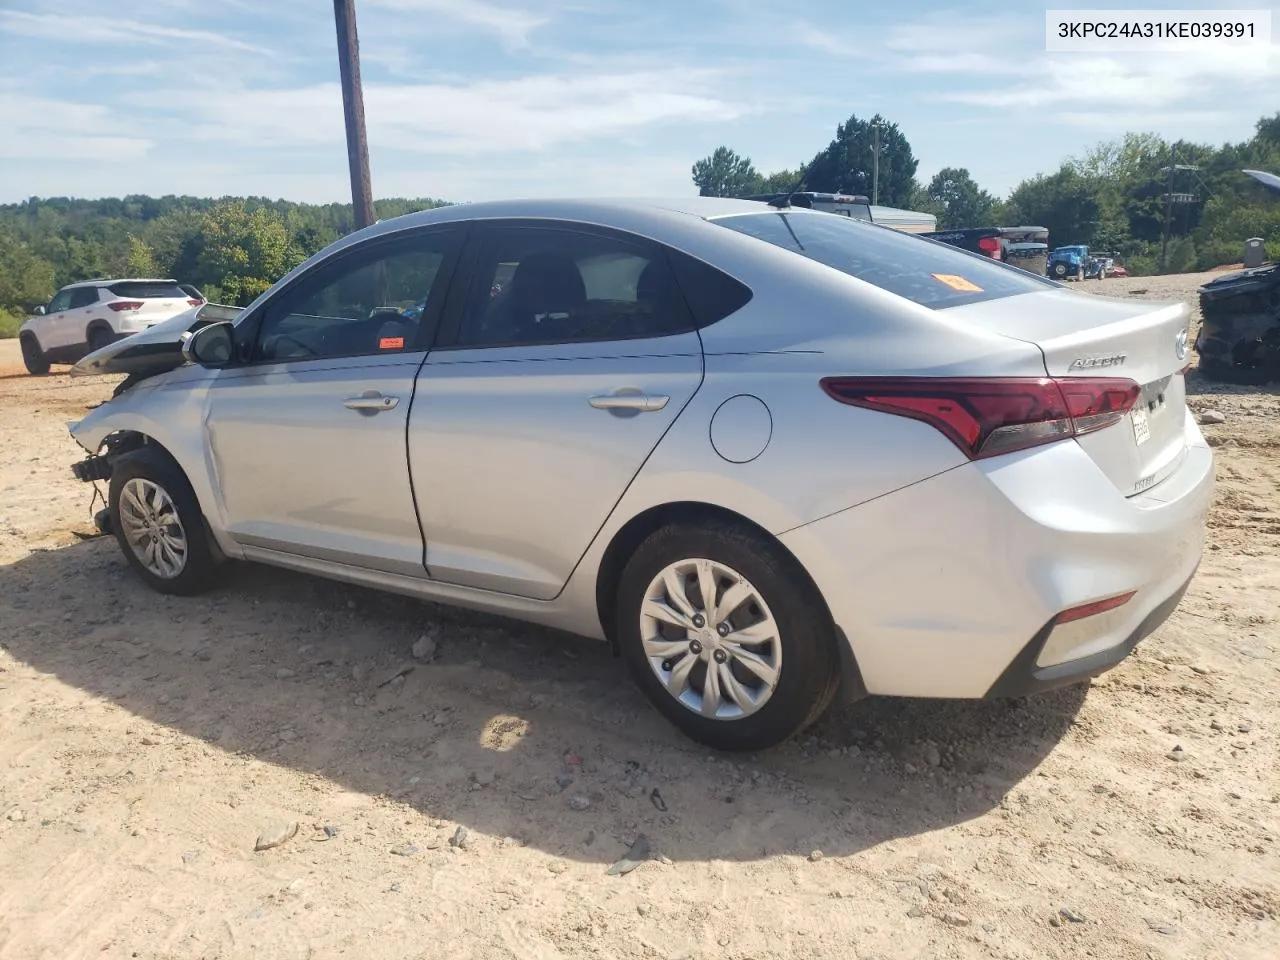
(166, 411)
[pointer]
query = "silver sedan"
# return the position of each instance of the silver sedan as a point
(767, 453)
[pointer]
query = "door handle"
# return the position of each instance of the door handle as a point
(371, 402)
(639, 402)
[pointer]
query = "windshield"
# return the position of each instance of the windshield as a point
(923, 271)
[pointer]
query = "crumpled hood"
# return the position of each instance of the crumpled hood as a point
(156, 349)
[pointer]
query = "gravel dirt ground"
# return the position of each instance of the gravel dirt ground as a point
(472, 806)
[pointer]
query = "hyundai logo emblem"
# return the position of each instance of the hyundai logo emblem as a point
(1180, 344)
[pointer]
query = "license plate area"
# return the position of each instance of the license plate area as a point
(1141, 425)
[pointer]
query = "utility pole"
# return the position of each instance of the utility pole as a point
(1168, 210)
(875, 163)
(344, 15)
(1170, 198)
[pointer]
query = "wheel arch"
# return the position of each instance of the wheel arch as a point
(97, 323)
(121, 443)
(127, 420)
(632, 533)
(29, 335)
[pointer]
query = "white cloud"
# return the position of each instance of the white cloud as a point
(1131, 83)
(38, 128)
(937, 45)
(536, 113)
(88, 29)
(511, 24)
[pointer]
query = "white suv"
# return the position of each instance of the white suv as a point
(86, 316)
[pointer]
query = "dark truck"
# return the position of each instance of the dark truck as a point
(1025, 247)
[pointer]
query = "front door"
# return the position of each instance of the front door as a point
(55, 335)
(569, 357)
(308, 437)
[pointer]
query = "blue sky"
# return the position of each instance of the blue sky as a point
(473, 99)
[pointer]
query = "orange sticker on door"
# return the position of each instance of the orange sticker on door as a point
(957, 283)
(391, 343)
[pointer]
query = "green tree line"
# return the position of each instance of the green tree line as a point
(1111, 198)
(231, 248)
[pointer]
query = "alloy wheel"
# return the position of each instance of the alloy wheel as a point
(710, 639)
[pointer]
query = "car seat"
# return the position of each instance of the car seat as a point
(543, 286)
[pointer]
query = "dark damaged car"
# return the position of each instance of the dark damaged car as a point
(1239, 338)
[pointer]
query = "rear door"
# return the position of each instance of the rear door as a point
(567, 356)
(79, 313)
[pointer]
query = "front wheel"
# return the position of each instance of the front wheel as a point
(158, 524)
(33, 357)
(726, 636)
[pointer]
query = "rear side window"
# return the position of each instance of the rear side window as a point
(142, 290)
(923, 271)
(711, 294)
(544, 285)
(82, 297)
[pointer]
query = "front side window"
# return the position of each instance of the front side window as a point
(548, 285)
(61, 300)
(923, 271)
(369, 301)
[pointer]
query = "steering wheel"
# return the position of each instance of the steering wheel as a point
(280, 338)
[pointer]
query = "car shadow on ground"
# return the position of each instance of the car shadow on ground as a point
(510, 730)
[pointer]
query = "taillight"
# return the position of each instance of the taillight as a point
(990, 246)
(121, 305)
(193, 302)
(986, 417)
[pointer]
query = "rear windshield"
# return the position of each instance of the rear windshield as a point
(144, 290)
(924, 271)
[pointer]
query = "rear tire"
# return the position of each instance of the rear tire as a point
(158, 524)
(98, 338)
(774, 658)
(33, 357)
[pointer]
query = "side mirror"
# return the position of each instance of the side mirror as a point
(211, 346)
(38, 311)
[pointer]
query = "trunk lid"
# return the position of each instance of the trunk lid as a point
(160, 299)
(1082, 335)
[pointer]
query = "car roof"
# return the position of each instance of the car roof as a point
(591, 208)
(107, 281)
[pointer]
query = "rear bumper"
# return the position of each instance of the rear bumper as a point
(950, 587)
(1023, 678)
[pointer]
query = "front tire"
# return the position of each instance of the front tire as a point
(33, 357)
(158, 524)
(726, 636)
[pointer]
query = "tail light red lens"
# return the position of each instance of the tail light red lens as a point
(988, 416)
(1093, 609)
(990, 246)
(122, 305)
(193, 302)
